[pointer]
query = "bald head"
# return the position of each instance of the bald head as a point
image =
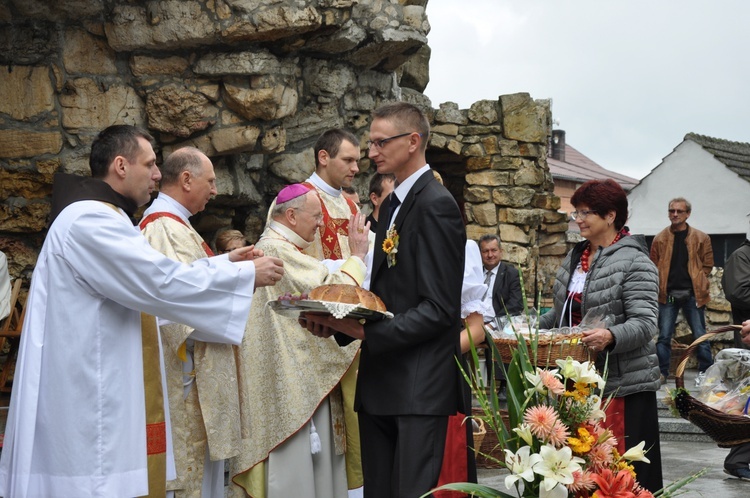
(188, 177)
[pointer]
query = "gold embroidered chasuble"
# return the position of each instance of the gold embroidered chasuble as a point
(286, 372)
(209, 415)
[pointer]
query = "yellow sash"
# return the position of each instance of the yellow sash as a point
(156, 427)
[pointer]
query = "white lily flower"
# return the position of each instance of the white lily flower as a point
(567, 368)
(535, 379)
(557, 467)
(597, 414)
(636, 453)
(524, 432)
(520, 465)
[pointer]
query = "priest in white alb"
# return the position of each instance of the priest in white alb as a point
(87, 417)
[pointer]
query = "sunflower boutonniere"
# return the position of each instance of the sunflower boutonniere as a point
(390, 245)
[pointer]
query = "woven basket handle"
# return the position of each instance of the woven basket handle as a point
(680, 372)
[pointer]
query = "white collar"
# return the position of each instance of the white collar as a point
(170, 205)
(316, 180)
(288, 234)
(404, 187)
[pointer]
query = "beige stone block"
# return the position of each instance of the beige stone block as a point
(474, 193)
(26, 91)
(274, 140)
(176, 110)
(87, 54)
(490, 145)
(25, 184)
(529, 174)
(293, 168)
(23, 143)
(506, 163)
(475, 231)
(528, 217)
(484, 214)
(234, 140)
(484, 112)
(201, 142)
(513, 233)
(488, 178)
(556, 227)
(474, 150)
(524, 119)
(24, 217)
(438, 141)
(263, 103)
(515, 254)
(478, 163)
(546, 201)
(559, 249)
(446, 129)
(143, 65)
(273, 23)
(86, 105)
(455, 146)
(513, 197)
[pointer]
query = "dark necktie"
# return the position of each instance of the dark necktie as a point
(395, 202)
(487, 278)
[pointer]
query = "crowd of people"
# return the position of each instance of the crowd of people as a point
(148, 362)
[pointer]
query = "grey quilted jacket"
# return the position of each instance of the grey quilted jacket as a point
(622, 282)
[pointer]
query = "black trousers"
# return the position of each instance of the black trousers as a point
(401, 455)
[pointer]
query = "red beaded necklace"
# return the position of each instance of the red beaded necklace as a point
(587, 253)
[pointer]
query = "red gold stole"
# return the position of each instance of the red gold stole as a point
(156, 427)
(332, 227)
(153, 216)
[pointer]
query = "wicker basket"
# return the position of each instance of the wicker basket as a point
(489, 444)
(725, 429)
(548, 349)
(480, 431)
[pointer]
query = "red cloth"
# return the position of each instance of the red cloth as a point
(616, 421)
(455, 457)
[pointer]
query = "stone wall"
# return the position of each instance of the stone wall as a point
(252, 83)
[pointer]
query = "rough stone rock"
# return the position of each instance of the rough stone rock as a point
(488, 178)
(26, 91)
(166, 24)
(415, 72)
(524, 119)
(474, 193)
(547, 200)
(274, 140)
(483, 112)
(445, 129)
(53, 11)
(25, 184)
(474, 150)
(293, 168)
(528, 174)
(87, 105)
(236, 188)
(33, 44)
(86, 54)
(323, 77)
(346, 38)
(23, 143)
(490, 145)
(485, 214)
(273, 23)
(515, 254)
(478, 163)
(513, 197)
(244, 63)
(556, 227)
(475, 231)
(560, 249)
(393, 48)
(176, 110)
(311, 121)
(262, 103)
(21, 216)
(512, 233)
(144, 65)
(450, 113)
(235, 140)
(526, 217)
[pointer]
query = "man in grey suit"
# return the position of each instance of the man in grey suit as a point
(408, 383)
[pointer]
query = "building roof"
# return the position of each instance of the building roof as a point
(579, 168)
(735, 155)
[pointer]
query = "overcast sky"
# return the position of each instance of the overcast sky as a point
(627, 79)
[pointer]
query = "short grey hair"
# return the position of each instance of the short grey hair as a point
(490, 237)
(184, 159)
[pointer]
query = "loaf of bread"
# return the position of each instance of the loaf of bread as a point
(348, 294)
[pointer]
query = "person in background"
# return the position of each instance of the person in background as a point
(503, 296)
(381, 186)
(351, 194)
(610, 274)
(736, 285)
(87, 415)
(684, 258)
(229, 240)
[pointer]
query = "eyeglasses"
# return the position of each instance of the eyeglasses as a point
(380, 143)
(581, 215)
(676, 211)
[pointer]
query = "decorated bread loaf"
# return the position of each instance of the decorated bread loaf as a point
(349, 294)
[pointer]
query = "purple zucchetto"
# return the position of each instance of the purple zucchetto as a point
(291, 192)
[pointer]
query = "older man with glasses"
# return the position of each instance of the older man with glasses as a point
(684, 258)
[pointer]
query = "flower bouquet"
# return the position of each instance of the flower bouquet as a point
(555, 444)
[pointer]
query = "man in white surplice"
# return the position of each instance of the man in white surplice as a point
(289, 380)
(77, 421)
(201, 376)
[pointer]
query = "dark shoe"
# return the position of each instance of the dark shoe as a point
(741, 474)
